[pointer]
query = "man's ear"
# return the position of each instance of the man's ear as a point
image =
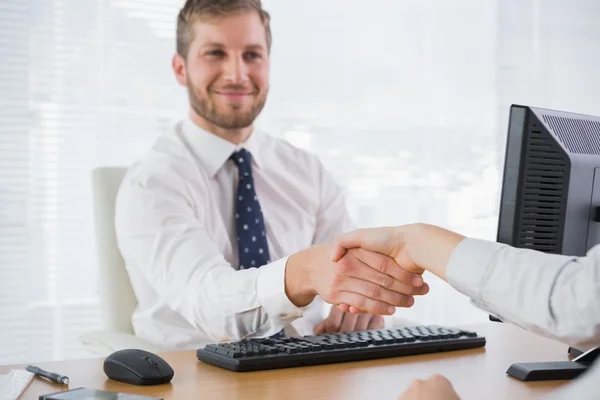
(178, 64)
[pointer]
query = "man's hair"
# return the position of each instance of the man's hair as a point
(195, 10)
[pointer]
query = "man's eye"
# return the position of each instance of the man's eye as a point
(215, 53)
(252, 55)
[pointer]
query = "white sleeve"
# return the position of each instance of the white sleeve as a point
(158, 229)
(552, 295)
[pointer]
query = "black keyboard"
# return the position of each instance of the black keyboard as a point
(262, 354)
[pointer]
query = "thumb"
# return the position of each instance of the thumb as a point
(338, 252)
(319, 328)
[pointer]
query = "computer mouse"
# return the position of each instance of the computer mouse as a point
(137, 367)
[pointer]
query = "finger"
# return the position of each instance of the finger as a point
(319, 328)
(343, 307)
(355, 310)
(362, 322)
(367, 304)
(348, 323)
(338, 252)
(387, 266)
(379, 240)
(376, 322)
(378, 283)
(334, 320)
(423, 290)
(376, 292)
(350, 309)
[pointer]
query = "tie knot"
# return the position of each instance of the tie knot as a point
(242, 158)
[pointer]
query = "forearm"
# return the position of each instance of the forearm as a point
(556, 296)
(192, 277)
(429, 247)
(232, 305)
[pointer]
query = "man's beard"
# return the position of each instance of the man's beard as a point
(207, 109)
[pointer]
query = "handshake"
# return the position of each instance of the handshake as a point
(371, 270)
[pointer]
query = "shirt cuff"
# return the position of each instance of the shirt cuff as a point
(469, 263)
(271, 293)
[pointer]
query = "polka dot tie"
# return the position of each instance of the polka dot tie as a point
(251, 237)
(250, 225)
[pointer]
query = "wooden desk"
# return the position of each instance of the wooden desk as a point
(476, 374)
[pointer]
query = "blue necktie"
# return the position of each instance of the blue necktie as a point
(251, 238)
(253, 250)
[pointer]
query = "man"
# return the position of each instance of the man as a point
(207, 219)
(555, 296)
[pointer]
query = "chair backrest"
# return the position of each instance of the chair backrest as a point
(117, 299)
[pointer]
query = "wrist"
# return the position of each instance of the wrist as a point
(430, 247)
(298, 287)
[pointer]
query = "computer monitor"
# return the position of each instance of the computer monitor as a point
(550, 197)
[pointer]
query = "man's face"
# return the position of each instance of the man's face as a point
(227, 70)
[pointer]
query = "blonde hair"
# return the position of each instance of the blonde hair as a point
(194, 10)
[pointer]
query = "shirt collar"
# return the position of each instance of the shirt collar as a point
(213, 151)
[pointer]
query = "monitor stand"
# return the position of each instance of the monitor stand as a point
(558, 370)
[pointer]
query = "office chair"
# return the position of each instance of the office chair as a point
(117, 299)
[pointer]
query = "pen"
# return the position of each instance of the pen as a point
(48, 375)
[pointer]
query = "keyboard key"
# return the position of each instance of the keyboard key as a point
(222, 350)
(211, 347)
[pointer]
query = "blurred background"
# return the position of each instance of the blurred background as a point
(405, 101)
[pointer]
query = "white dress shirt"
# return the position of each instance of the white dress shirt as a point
(552, 295)
(175, 227)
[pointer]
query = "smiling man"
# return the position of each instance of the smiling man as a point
(224, 229)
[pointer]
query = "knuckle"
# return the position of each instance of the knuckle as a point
(374, 291)
(386, 281)
(382, 264)
(361, 303)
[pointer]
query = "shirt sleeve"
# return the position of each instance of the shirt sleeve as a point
(160, 232)
(552, 295)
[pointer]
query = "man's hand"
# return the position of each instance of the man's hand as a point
(369, 281)
(339, 321)
(415, 248)
(437, 387)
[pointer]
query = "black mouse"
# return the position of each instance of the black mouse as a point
(137, 367)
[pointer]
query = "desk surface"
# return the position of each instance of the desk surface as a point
(476, 374)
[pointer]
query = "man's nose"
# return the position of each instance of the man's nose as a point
(236, 71)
